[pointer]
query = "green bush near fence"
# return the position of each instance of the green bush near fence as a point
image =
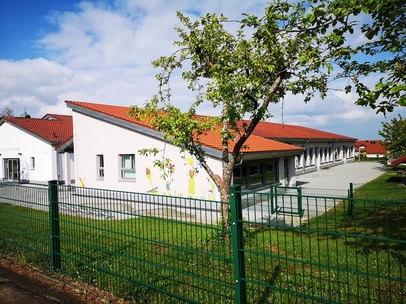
(338, 257)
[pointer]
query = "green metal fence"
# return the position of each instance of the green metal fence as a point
(159, 249)
(340, 250)
(24, 229)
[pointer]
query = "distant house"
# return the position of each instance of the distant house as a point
(107, 144)
(320, 149)
(371, 148)
(36, 150)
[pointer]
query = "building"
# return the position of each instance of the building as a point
(320, 149)
(370, 148)
(36, 150)
(107, 155)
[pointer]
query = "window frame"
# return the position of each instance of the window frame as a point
(131, 170)
(100, 166)
(32, 163)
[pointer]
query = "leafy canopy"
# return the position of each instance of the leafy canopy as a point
(295, 47)
(394, 134)
(383, 54)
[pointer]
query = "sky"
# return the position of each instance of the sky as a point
(101, 52)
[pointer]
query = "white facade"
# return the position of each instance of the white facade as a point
(321, 154)
(107, 157)
(29, 159)
(117, 145)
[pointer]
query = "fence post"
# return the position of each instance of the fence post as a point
(299, 202)
(238, 244)
(54, 224)
(351, 200)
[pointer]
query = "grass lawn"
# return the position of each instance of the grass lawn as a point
(340, 257)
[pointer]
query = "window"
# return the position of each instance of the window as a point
(269, 172)
(254, 170)
(237, 172)
(239, 176)
(305, 160)
(32, 163)
(255, 174)
(127, 170)
(100, 166)
(311, 156)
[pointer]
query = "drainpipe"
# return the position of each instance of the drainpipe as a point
(241, 159)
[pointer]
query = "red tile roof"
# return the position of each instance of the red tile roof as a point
(373, 146)
(53, 128)
(278, 131)
(210, 139)
(398, 161)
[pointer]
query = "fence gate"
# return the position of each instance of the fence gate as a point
(287, 200)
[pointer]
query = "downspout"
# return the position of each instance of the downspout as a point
(241, 159)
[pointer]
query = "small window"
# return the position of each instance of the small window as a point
(237, 172)
(127, 170)
(32, 163)
(100, 166)
(254, 170)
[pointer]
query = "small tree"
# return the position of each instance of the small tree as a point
(394, 134)
(292, 48)
(7, 111)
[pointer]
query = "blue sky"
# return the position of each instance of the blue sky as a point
(100, 51)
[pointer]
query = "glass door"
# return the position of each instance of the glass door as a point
(12, 169)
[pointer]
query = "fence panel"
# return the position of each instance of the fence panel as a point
(135, 244)
(147, 247)
(329, 255)
(24, 223)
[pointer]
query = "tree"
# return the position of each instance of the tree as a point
(386, 36)
(292, 48)
(7, 111)
(394, 134)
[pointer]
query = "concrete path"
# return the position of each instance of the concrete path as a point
(332, 183)
(340, 177)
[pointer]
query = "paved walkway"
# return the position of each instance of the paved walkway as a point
(340, 177)
(333, 183)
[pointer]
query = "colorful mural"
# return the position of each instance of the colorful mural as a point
(188, 180)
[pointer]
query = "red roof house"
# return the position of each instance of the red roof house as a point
(372, 148)
(32, 149)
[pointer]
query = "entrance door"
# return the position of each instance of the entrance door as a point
(12, 169)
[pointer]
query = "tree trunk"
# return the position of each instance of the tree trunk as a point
(225, 207)
(225, 194)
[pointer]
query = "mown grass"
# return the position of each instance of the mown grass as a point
(388, 186)
(340, 257)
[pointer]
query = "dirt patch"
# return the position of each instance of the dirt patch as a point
(26, 284)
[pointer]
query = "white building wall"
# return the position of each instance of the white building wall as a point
(318, 155)
(94, 137)
(66, 167)
(15, 143)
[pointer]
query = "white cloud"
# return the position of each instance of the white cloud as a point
(102, 53)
